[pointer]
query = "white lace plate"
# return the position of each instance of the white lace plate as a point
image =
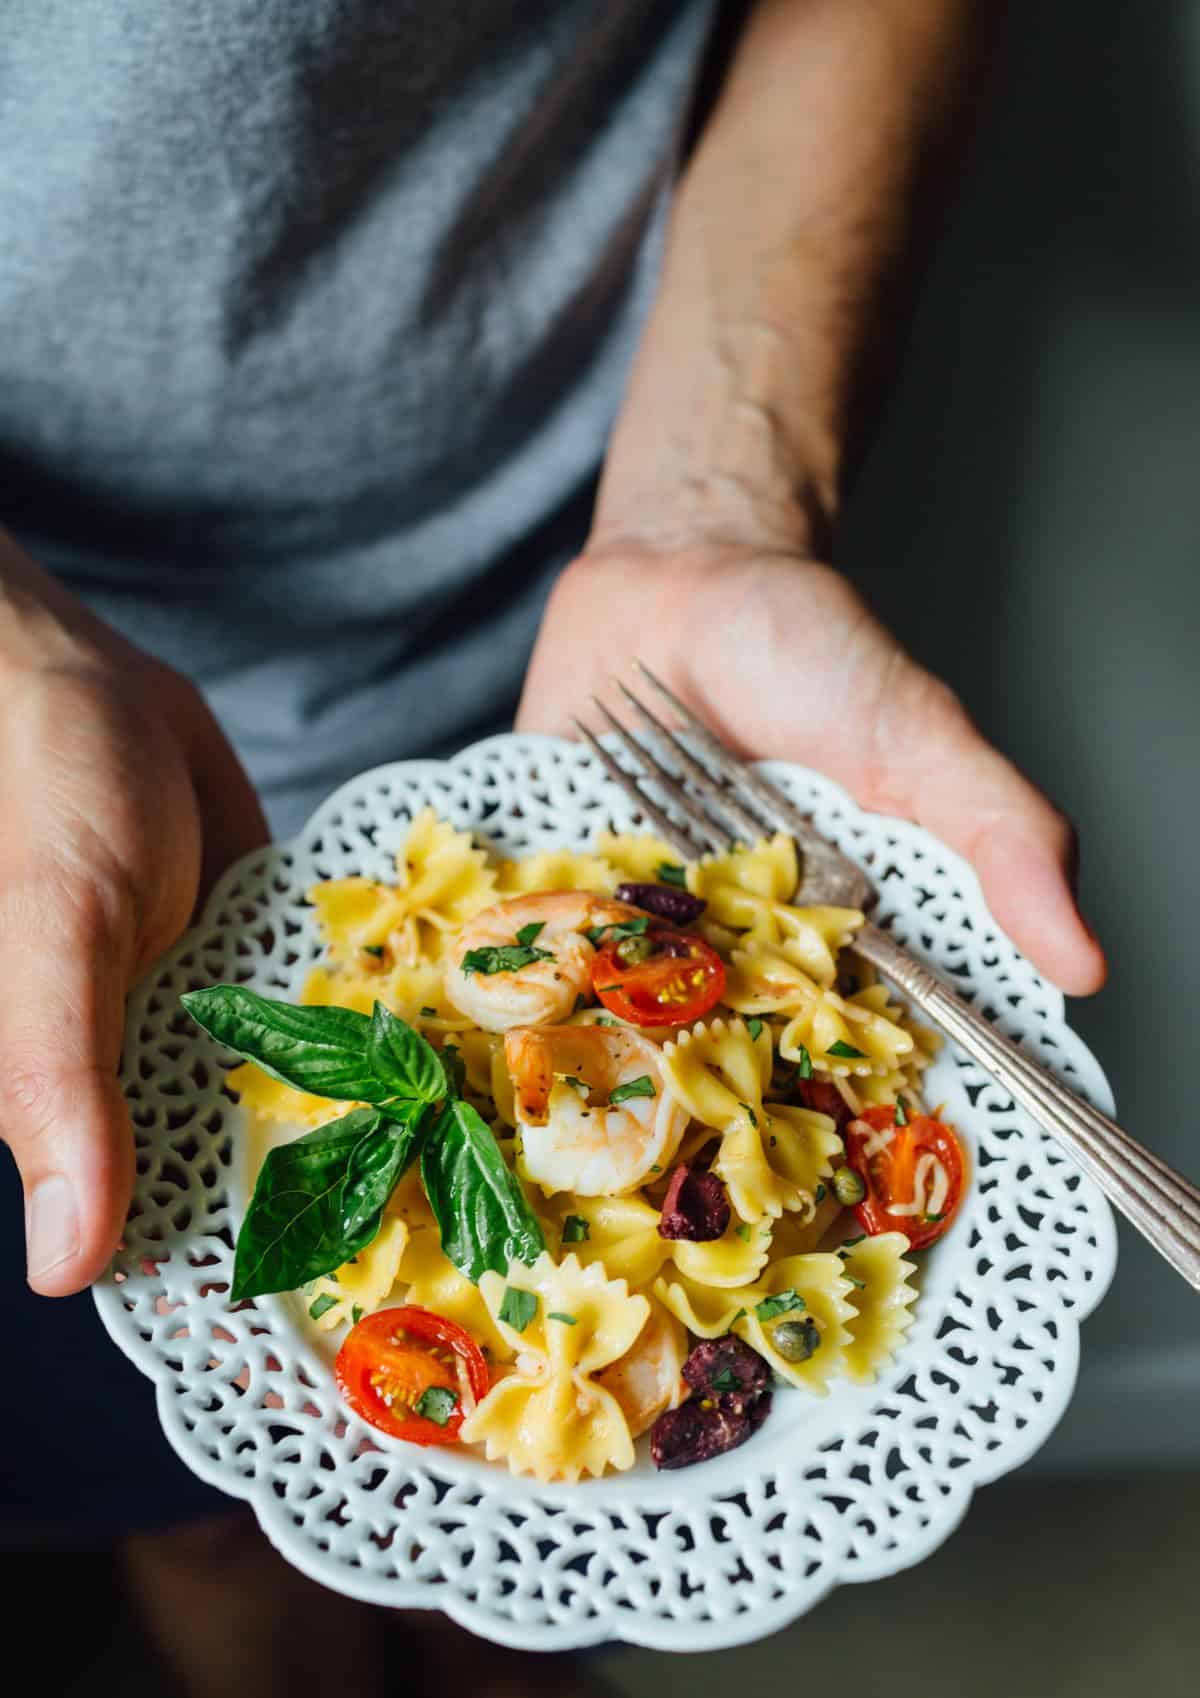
(859, 1484)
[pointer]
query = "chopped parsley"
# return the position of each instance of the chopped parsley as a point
(607, 1019)
(575, 1229)
(743, 1232)
(322, 1305)
(597, 935)
(642, 1086)
(518, 1308)
(726, 1380)
(656, 1169)
(558, 1315)
(528, 933)
(932, 1218)
(861, 1283)
(740, 1316)
(804, 1064)
(751, 1113)
(502, 958)
(575, 1084)
(428, 1013)
(356, 1314)
(669, 872)
(820, 1193)
(754, 1027)
(901, 1114)
(436, 1404)
(375, 949)
(842, 1048)
(782, 1303)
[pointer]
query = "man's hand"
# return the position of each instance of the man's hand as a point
(122, 801)
(782, 659)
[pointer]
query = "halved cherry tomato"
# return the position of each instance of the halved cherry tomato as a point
(678, 982)
(911, 1158)
(391, 1359)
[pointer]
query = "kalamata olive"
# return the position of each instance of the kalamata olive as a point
(825, 1098)
(680, 907)
(796, 1341)
(728, 1372)
(695, 1207)
(694, 1433)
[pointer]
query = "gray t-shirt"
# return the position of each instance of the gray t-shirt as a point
(314, 318)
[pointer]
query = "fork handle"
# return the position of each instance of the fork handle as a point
(1163, 1205)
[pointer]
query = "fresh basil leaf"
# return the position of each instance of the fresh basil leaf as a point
(356, 1314)
(322, 1050)
(754, 1027)
(643, 1086)
(843, 1048)
(576, 1230)
(502, 958)
(529, 933)
(322, 1305)
(560, 1315)
(437, 1404)
(401, 1059)
(782, 1303)
(667, 872)
(518, 1308)
(378, 1163)
(804, 1065)
(293, 1231)
(477, 1202)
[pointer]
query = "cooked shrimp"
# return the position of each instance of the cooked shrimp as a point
(573, 1136)
(546, 988)
(649, 1377)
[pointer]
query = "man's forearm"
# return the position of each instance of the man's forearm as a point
(785, 229)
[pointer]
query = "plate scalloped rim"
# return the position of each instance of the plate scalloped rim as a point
(849, 1488)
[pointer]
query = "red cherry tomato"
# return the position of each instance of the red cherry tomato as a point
(391, 1359)
(678, 983)
(907, 1163)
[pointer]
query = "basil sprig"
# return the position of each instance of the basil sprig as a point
(481, 1211)
(319, 1200)
(330, 1052)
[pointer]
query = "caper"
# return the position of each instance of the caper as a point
(848, 1187)
(796, 1341)
(631, 950)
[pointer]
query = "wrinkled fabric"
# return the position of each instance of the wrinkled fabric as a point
(314, 319)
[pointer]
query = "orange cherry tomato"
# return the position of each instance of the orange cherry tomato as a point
(391, 1359)
(680, 981)
(910, 1159)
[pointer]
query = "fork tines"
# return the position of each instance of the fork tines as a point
(721, 801)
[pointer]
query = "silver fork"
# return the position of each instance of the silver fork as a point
(726, 801)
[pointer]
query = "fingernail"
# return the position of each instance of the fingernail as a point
(51, 1225)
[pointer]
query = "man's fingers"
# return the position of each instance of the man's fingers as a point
(234, 822)
(929, 763)
(63, 970)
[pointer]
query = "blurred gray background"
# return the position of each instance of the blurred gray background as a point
(1029, 521)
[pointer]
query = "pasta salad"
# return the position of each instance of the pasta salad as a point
(572, 1148)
